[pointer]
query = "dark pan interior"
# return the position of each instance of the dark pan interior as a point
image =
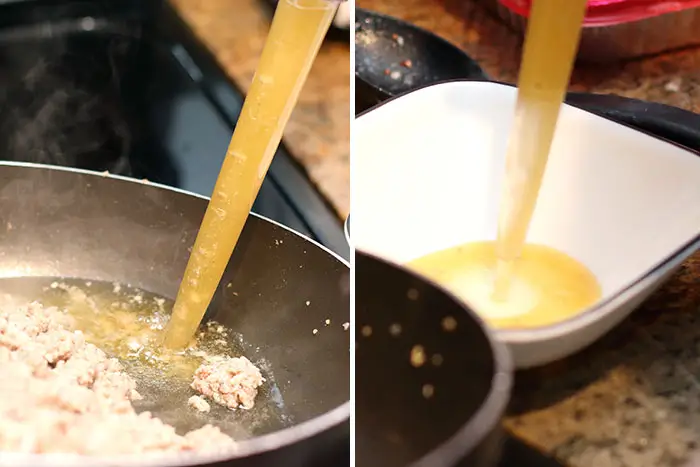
(396, 423)
(383, 45)
(68, 224)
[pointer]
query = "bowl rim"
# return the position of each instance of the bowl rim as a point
(604, 307)
(279, 439)
(493, 406)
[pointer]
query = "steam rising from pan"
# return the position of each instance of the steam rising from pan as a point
(63, 105)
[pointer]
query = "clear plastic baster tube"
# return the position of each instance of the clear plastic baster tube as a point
(297, 31)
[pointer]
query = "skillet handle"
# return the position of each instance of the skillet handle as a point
(670, 123)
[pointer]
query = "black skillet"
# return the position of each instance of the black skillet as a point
(396, 425)
(441, 412)
(381, 74)
(64, 223)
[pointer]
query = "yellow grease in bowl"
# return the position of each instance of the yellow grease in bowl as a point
(547, 286)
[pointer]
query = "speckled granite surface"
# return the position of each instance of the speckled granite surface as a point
(318, 132)
(633, 399)
(672, 78)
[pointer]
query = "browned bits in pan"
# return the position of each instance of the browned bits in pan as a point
(418, 357)
(449, 324)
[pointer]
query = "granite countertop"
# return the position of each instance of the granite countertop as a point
(633, 398)
(672, 78)
(318, 133)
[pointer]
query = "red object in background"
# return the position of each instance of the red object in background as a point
(612, 12)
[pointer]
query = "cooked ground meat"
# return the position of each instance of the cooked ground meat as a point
(59, 393)
(232, 382)
(198, 403)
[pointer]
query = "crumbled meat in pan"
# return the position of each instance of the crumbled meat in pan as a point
(59, 393)
(198, 403)
(232, 382)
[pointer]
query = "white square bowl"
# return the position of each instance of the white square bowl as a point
(426, 175)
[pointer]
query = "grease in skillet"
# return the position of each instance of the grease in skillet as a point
(87, 355)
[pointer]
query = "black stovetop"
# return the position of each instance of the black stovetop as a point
(125, 86)
(516, 453)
